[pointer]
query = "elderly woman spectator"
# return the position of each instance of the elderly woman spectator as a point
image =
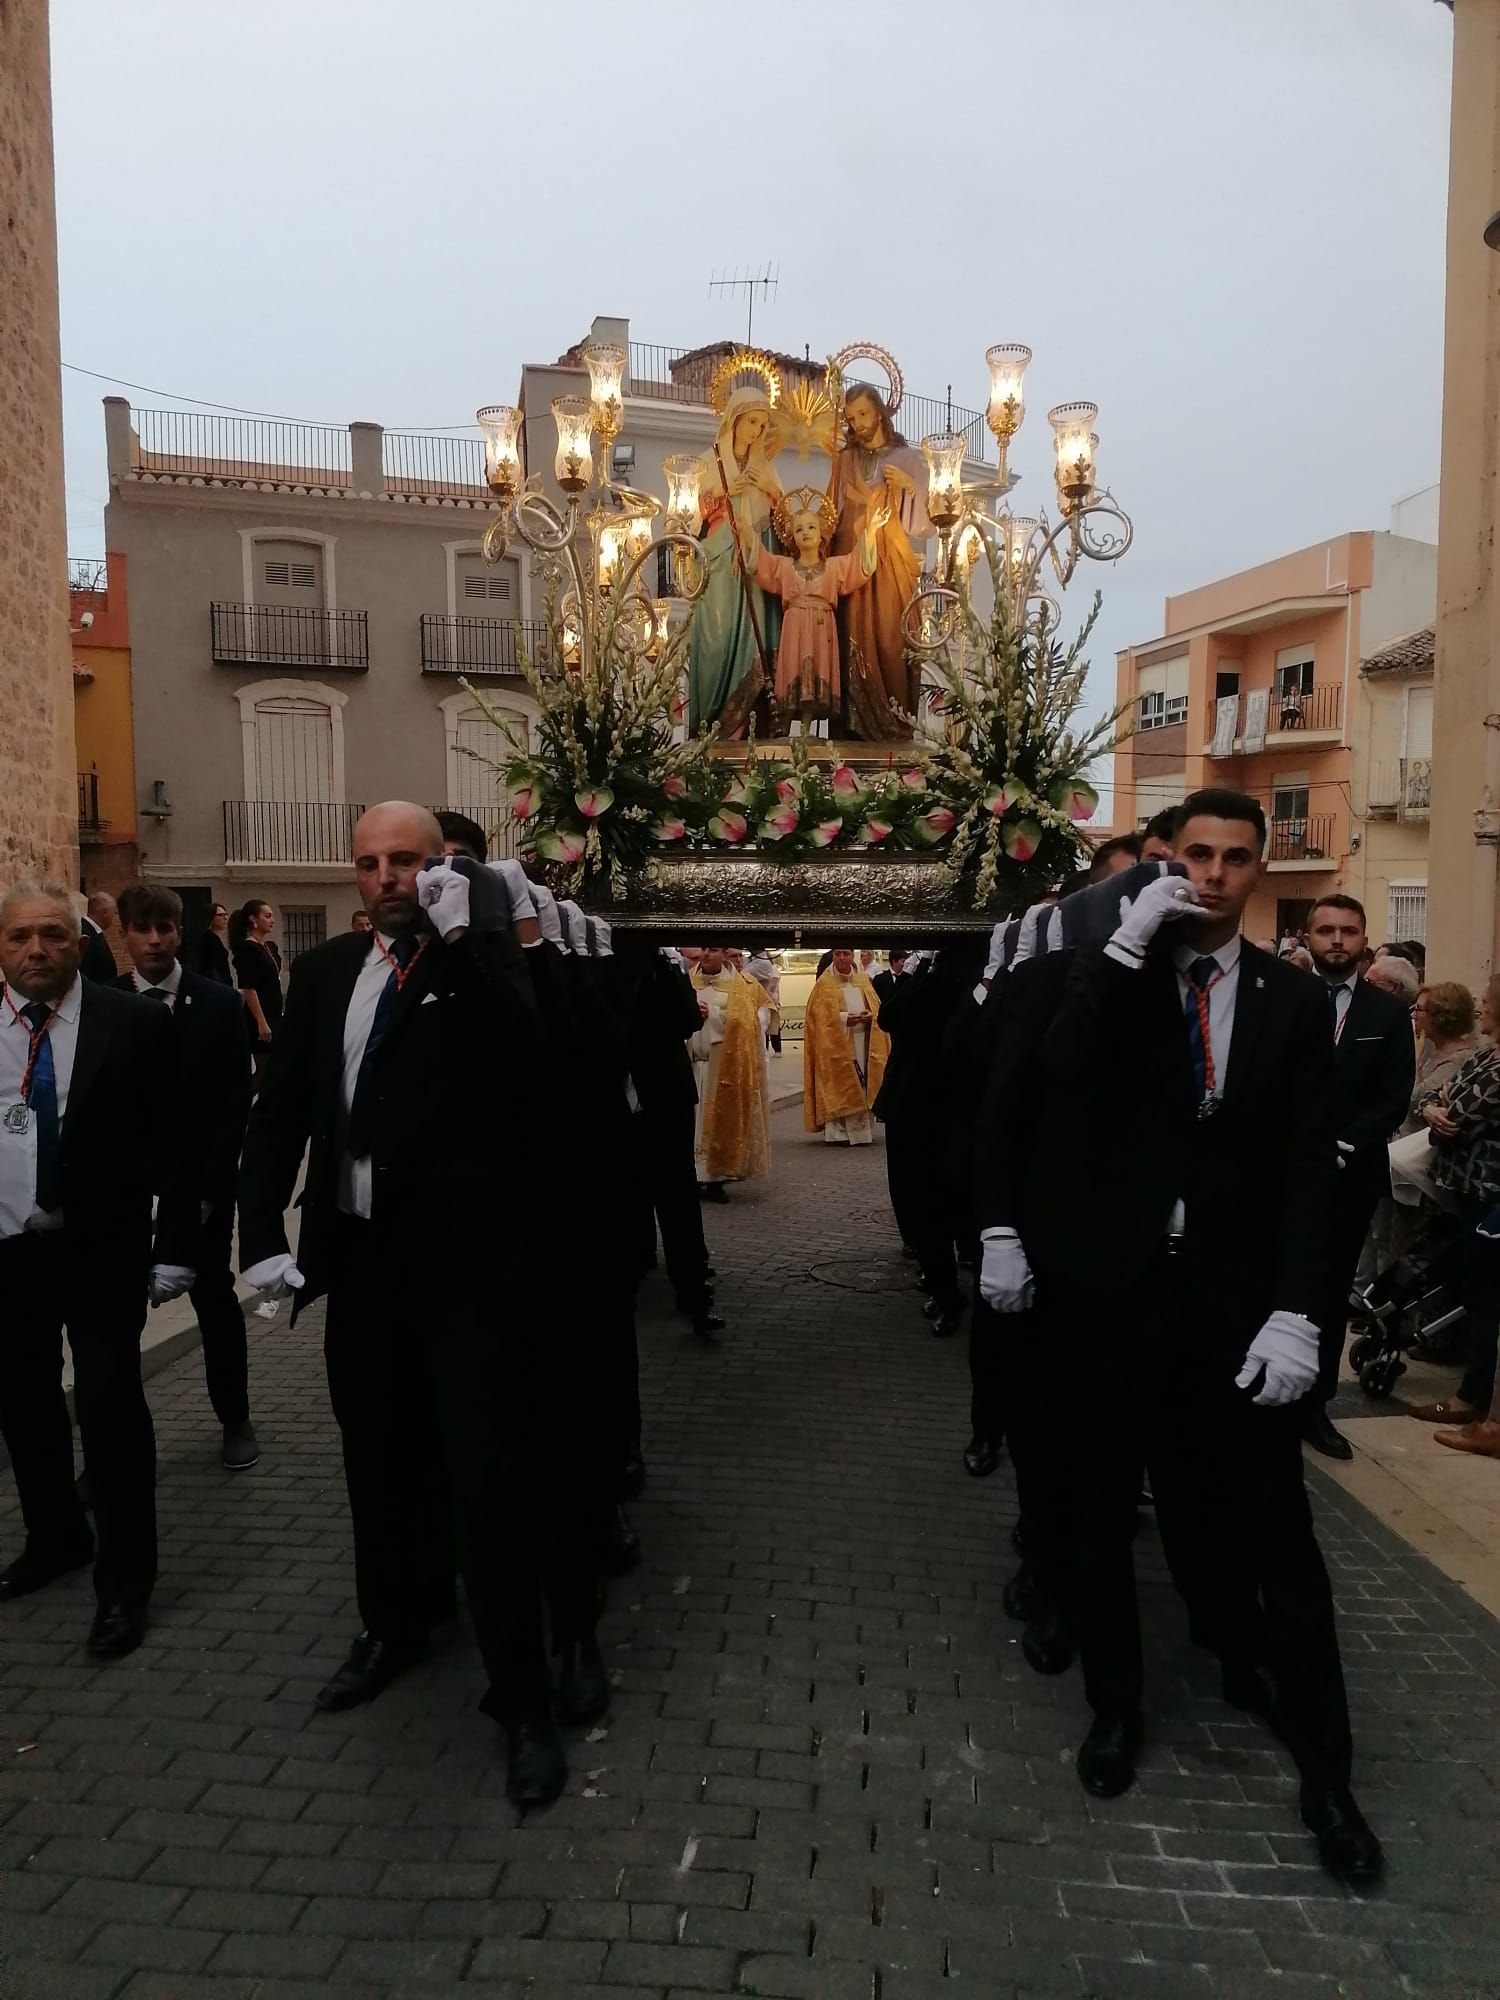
(1444, 1021)
(1463, 1118)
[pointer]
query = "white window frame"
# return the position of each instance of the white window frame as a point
(254, 693)
(455, 705)
(249, 537)
(1393, 890)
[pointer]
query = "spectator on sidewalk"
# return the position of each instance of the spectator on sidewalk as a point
(213, 949)
(210, 1031)
(98, 960)
(257, 970)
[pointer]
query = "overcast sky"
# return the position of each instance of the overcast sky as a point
(1221, 222)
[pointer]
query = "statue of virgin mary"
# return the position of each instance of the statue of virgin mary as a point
(733, 647)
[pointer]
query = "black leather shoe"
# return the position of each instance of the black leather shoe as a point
(535, 1768)
(707, 1324)
(31, 1572)
(1024, 1596)
(1018, 1539)
(633, 1473)
(369, 1670)
(622, 1546)
(1106, 1756)
(1049, 1641)
(709, 1274)
(1318, 1431)
(117, 1630)
(931, 1309)
(981, 1456)
(713, 1191)
(1346, 1846)
(241, 1447)
(908, 1253)
(582, 1684)
(947, 1323)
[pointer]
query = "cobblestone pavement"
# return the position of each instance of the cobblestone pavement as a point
(828, 1774)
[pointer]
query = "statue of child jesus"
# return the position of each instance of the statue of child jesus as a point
(809, 585)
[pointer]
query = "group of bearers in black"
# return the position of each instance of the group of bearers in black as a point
(452, 1089)
(1162, 1146)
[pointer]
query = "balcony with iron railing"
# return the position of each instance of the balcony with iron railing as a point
(1316, 710)
(459, 645)
(91, 827)
(88, 575)
(1289, 714)
(290, 832)
(1305, 841)
(287, 635)
(684, 374)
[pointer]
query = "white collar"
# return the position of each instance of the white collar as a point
(169, 985)
(1227, 957)
(66, 1008)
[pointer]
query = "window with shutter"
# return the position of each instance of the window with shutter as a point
(289, 573)
(294, 750)
(1406, 913)
(487, 589)
(278, 573)
(304, 576)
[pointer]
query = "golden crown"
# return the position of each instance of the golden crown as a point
(804, 500)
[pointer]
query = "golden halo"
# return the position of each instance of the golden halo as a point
(866, 350)
(742, 360)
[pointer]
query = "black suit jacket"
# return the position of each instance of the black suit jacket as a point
(1375, 1069)
(121, 1093)
(98, 961)
(661, 1015)
(211, 1031)
(458, 1108)
(1089, 1135)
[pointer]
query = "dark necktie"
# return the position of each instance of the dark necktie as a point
(1201, 976)
(156, 993)
(403, 950)
(42, 1097)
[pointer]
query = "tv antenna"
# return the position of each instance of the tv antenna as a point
(761, 283)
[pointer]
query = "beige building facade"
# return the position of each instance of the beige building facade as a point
(38, 779)
(303, 602)
(1465, 826)
(1255, 682)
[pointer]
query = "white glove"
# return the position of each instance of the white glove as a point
(672, 956)
(1346, 1152)
(1160, 902)
(547, 916)
(1005, 1281)
(517, 887)
(577, 928)
(168, 1282)
(913, 960)
(1287, 1348)
(603, 939)
(1026, 936)
(444, 895)
(275, 1277)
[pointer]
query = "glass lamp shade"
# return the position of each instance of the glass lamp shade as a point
(682, 471)
(608, 530)
(606, 366)
(1007, 406)
(574, 464)
(572, 633)
(1016, 532)
(659, 627)
(1073, 441)
(966, 550)
(501, 424)
(944, 452)
(637, 535)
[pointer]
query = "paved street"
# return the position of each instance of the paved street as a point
(828, 1774)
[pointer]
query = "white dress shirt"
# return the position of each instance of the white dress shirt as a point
(1221, 999)
(167, 986)
(356, 1180)
(18, 1209)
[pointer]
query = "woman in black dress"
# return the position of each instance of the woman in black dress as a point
(213, 949)
(258, 972)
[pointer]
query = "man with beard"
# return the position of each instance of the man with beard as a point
(442, 1379)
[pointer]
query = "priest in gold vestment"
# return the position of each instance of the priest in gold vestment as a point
(843, 1054)
(732, 1138)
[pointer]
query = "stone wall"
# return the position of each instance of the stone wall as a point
(38, 799)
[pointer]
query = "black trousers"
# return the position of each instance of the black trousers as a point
(1479, 1288)
(1227, 1477)
(1354, 1210)
(453, 1456)
(992, 1365)
(48, 1281)
(927, 1213)
(221, 1318)
(672, 1183)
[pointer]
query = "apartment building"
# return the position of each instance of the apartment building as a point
(103, 719)
(303, 601)
(1255, 682)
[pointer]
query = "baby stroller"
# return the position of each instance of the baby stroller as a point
(1412, 1306)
